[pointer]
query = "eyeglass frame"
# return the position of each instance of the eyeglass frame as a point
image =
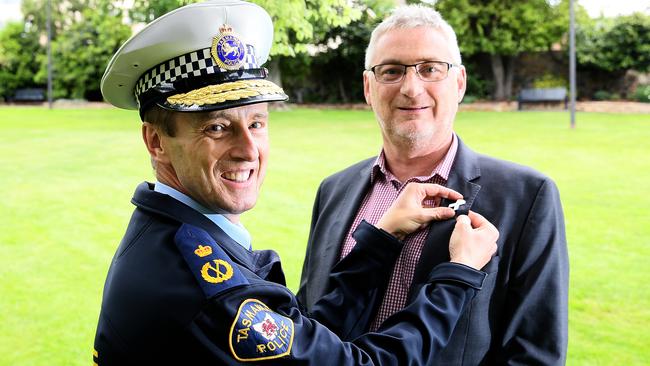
(415, 67)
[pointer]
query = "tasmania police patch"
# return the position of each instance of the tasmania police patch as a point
(211, 266)
(259, 333)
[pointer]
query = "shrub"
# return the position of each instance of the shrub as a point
(478, 84)
(549, 81)
(602, 95)
(469, 99)
(642, 93)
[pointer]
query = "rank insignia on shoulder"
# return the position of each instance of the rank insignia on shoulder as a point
(212, 267)
(259, 333)
(203, 250)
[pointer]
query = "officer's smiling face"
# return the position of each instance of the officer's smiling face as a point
(218, 158)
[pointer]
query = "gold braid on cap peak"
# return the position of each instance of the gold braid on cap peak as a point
(215, 94)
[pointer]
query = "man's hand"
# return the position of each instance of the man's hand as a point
(473, 241)
(408, 214)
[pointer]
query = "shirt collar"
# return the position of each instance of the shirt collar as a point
(442, 169)
(236, 231)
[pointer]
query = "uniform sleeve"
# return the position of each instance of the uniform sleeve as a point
(359, 279)
(263, 321)
(536, 310)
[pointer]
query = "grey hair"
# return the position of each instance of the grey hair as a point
(413, 16)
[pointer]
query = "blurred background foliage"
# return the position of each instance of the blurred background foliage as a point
(319, 46)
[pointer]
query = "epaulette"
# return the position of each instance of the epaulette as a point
(212, 267)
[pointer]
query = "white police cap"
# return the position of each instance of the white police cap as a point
(201, 57)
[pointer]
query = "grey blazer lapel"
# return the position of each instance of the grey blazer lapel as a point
(356, 186)
(350, 204)
(436, 246)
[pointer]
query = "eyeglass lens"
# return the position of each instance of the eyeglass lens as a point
(427, 71)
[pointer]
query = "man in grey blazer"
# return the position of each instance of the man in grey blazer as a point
(414, 81)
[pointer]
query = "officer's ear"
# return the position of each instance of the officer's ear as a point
(153, 140)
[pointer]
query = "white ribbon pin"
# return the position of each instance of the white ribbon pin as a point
(456, 205)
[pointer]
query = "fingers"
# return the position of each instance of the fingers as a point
(437, 213)
(463, 222)
(427, 195)
(481, 223)
(477, 219)
(436, 190)
(473, 241)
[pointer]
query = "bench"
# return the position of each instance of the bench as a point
(29, 95)
(542, 96)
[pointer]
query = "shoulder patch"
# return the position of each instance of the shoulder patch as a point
(259, 333)
(212, 267)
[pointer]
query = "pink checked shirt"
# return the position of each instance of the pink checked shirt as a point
(384, 190)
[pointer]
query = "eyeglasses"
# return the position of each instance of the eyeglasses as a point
(426, 71)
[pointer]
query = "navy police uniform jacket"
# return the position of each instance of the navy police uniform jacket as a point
(181, 292)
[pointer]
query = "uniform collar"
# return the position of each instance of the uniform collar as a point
(236, 231)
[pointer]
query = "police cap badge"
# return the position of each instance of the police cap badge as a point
(200, 57)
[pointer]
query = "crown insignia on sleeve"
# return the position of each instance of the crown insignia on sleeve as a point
(203, 251)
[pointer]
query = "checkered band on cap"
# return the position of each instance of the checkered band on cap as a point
(193, 64)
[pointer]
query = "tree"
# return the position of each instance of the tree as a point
(503, 29)
(87, 32)
(64, 13)
(616, 45)
(85, 35)
(144, 11)
(334, 72)
(294, 21)
(18, 47)
(83, 48)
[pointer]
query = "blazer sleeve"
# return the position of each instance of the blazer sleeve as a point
(536, 324)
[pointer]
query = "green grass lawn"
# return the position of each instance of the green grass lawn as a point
(66, 178)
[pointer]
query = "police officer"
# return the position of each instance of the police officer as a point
(185, 286)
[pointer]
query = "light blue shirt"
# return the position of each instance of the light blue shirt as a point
(235, 231)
